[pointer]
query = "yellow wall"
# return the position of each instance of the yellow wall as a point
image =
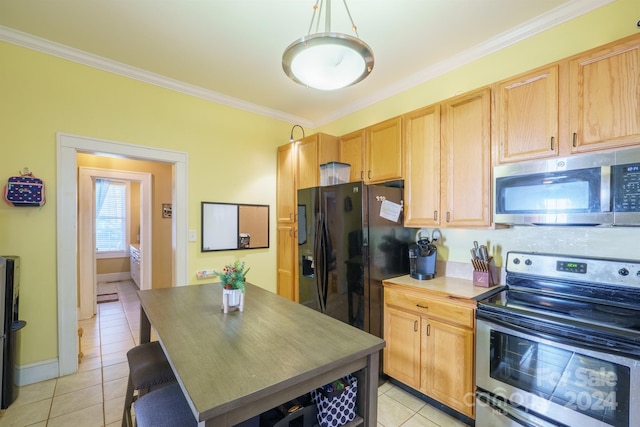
(229, 161)
(232, 154)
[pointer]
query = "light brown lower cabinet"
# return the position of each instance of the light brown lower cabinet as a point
(430, 346)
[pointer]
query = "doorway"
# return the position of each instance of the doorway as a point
(67, 234)
(86, 234)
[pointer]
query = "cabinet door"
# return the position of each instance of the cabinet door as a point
(604, 98)
(286, 183)
(308, 171)
(384, 151)
(466, 160)
(328, 149)
(352, 152)
(311, 152)
(447, 365)
(422, 167)
(402, 352)
(286, 258)
(527, 122)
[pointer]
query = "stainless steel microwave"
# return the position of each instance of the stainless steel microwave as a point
(587, 189)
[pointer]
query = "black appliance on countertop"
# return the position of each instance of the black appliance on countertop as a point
(422, 259)
(560, 345)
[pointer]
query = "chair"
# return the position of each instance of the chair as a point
(149, 369)
(164, 407)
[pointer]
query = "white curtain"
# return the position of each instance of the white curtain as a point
(102, 188)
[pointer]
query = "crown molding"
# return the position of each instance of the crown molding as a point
(65, 52)
(559, 15)
(544, 22)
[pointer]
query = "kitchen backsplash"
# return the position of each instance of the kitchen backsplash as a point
(605, 242)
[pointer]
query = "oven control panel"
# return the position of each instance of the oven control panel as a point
(596, 270)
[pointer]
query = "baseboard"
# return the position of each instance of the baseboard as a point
(36, 372)
(113, 277)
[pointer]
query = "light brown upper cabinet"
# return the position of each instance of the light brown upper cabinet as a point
(422, 167)
(527, 116)
(604, 96)
(313, 151)
(352, 152)
(286, 183)
(465, 162)
(448, 163)
(383, 151)
(374, 153)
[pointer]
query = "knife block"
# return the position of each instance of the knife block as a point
(485, 279)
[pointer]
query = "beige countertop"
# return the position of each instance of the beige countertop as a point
(444, 286)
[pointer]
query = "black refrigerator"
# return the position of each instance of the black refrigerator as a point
(350, 238)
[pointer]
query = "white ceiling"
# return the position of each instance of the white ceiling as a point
(230, 51)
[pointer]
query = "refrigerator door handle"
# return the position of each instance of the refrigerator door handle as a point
(325, 265)
(319, 263)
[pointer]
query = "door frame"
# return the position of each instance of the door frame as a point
(86, 235)
(67, 222)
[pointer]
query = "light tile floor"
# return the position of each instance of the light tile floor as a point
(94, 396)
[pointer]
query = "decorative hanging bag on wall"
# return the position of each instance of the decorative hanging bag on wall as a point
(24, 190)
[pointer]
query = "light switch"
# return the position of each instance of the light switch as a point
(193, 237)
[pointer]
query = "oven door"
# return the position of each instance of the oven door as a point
(554, 380)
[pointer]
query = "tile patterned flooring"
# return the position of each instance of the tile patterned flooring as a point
(94, 396)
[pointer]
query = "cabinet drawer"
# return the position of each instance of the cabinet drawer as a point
(431, 306)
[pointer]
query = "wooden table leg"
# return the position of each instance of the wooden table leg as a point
(370, 390)
(145, 327)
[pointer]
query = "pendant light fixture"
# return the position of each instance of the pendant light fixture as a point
(327, 60)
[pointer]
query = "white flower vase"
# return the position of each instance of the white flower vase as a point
(232, 299)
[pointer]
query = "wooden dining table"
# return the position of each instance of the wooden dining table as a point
(233, 367)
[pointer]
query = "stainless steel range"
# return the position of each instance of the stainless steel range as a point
(560, 346)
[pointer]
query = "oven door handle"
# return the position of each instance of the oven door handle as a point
(603, 348)
(516, 415)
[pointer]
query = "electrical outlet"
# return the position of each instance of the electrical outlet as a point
(205, 274)
(193, 236)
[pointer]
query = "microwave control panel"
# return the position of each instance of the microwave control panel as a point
(626, 187)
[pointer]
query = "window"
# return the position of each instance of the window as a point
(111, 218)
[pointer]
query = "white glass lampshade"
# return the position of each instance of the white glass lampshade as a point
(327, 61)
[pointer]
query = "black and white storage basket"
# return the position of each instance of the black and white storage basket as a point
(336, 407)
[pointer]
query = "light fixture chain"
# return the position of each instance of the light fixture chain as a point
(317, 17)
(353, 26)
(316, 11)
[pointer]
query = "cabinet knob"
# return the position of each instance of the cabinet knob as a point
(435, 215)
(552, 141)
(415, 326)
(369, 174)
(574, 139)
(422, 306)
(448, 217)
(428, 330)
